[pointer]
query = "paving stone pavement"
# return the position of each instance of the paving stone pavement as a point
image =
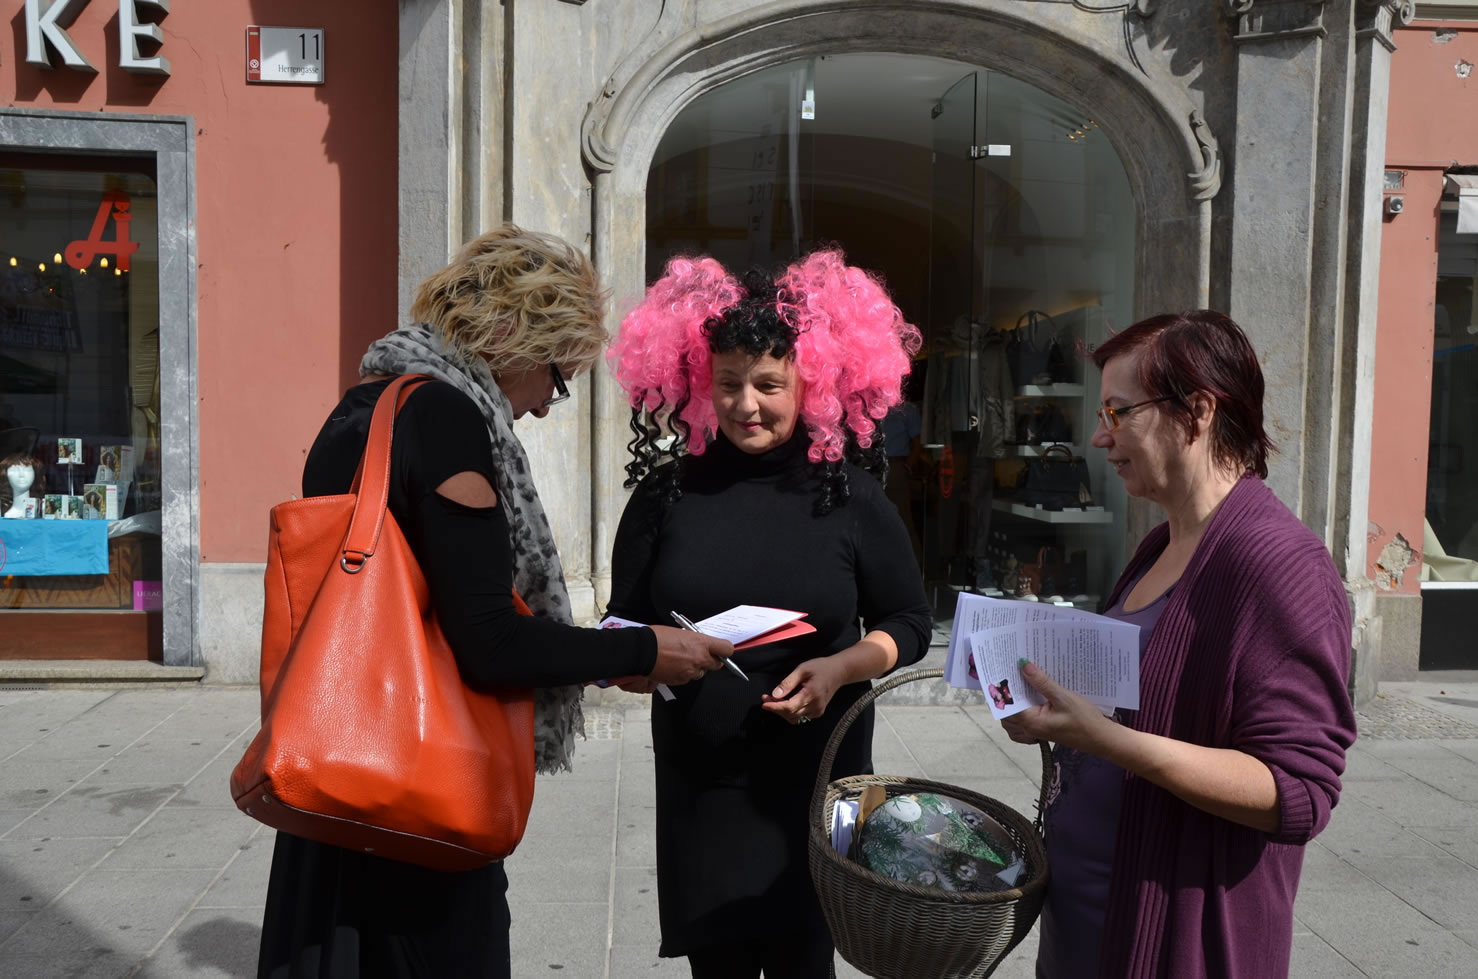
(121, 853)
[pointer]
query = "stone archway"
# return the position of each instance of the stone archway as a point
(1172, 161)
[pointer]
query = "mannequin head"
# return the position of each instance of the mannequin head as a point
(22, 473)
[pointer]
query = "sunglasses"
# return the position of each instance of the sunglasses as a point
(1110, 416)
(561, 393)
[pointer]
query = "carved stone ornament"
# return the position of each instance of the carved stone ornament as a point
(1380, 18)
(1275, 20)
(1207, 182)
(627, 84)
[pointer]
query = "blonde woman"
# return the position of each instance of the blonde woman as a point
(502, 329)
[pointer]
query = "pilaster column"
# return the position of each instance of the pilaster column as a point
(1275, 163)
(1374, 21)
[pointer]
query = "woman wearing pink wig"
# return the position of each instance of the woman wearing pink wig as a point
(770, 494)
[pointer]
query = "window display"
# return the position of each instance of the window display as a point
(79, 382)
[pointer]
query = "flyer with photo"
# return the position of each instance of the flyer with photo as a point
(1092, 655)
(976, 612)
(1097, 659)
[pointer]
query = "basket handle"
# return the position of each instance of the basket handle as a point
(828, 757)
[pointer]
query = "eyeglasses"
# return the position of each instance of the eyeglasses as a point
(561, 393)
(1110, 416)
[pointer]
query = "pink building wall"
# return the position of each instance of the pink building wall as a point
(1433, 106)
(296, 240)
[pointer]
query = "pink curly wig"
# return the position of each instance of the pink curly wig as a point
(852, 350)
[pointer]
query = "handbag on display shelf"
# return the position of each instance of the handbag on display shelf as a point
(370, 740)
(1043, 423)
(1057, 479)
(1051, 424)
(1029, 349)
(1045, 573)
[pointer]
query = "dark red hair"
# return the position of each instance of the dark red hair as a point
(1201, 350)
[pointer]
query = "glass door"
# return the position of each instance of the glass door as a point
(944, 382)
(1030, 262)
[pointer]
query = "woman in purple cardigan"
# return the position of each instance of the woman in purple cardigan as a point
(1176, 833)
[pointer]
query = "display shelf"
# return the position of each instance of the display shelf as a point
(1032, 451)
(1086, 602)
(1051, 391)
(1053, 516)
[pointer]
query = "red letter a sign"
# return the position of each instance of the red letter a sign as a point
(81, 253)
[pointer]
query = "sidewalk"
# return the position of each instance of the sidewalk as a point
(122, 854)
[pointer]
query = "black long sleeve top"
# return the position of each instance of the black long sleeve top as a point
(465, 552)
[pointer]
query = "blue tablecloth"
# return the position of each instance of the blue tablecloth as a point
(53, 547)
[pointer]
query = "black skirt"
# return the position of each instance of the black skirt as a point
(732, 826)
(337, 914)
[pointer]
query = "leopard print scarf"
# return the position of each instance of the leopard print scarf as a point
(537, 574)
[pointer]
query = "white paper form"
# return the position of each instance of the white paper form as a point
(743, 622)
(976, 612)
(1096, 657)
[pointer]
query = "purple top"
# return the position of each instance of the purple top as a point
(1251, 652)
(1081, 821)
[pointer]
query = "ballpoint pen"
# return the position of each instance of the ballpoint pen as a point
(687, 623)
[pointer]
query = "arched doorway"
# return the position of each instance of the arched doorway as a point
(1170, 161)
(1002, 220)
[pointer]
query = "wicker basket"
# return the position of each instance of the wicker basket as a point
(896, 930)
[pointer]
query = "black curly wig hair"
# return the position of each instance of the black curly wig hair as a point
(755, 325)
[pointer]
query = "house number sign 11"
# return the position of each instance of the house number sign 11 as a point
(284, 55)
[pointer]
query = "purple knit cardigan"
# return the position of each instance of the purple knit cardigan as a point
(1252, 652)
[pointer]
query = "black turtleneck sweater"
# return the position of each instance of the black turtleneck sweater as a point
(745, 532)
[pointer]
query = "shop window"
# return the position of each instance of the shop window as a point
(1003, 223)
(80, 399)
(1452, 459)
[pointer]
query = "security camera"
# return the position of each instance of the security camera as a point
(1395, 204)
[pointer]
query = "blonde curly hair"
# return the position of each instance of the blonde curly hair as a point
(519, 299)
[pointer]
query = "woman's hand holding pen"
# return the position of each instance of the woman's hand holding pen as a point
(684, 656)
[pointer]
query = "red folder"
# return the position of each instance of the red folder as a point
(788, 631)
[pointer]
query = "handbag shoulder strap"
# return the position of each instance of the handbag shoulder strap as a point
(372, 481)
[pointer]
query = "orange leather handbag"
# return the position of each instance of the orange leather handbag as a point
(370, 740)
